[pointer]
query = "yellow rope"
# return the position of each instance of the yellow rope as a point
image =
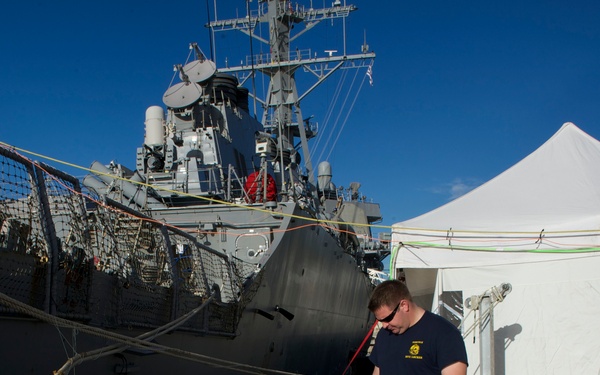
(394, 229)
(216, 201)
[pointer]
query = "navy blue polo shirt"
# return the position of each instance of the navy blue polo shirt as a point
(425, 348)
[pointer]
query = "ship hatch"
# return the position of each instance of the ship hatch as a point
(249, 246)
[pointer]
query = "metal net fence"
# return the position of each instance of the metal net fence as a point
(82, 258)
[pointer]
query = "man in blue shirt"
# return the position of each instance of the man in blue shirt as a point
(413, 340)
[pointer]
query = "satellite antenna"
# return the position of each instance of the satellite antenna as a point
(198, 70)
(182, 94)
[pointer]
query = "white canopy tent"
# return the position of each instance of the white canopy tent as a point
(537, 227)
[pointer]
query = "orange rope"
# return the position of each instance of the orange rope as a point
(361, 346)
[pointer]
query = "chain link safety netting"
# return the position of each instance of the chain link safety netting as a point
(76, 257)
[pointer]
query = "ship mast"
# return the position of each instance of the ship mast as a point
(282, 115)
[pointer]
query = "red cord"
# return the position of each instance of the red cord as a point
(360, 347)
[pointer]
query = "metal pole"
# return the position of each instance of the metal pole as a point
(485, 304)
(486, 336)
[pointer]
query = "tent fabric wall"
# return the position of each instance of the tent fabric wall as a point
(537, 227)
(547, 324)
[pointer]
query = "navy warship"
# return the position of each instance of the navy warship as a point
(221, 251)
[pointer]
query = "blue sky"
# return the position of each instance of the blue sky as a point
(462, 89)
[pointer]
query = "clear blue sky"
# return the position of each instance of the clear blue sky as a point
(462, 89)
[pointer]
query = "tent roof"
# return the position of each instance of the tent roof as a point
(548, 201)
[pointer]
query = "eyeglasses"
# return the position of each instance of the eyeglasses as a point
(389, 318)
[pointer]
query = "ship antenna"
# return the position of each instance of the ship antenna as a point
(252, 72)
(213, 43)
(344, 31)
(210, 31)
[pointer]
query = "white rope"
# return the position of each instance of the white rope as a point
(482, 316)
(495, 294)
(64, 341)
(325, 125)
(347, 112)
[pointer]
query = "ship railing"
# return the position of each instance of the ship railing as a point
(271, 123)
(266, 58)
(235, 190)
(311, 62)
(230, 189)
(109, 267)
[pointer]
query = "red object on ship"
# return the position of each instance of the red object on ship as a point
(255, 189)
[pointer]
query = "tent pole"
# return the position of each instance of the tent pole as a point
(486, 336)
(485, 304)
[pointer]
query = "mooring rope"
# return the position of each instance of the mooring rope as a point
(116, 348)
(132, 341)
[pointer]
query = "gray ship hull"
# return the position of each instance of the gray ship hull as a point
(307, 274)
